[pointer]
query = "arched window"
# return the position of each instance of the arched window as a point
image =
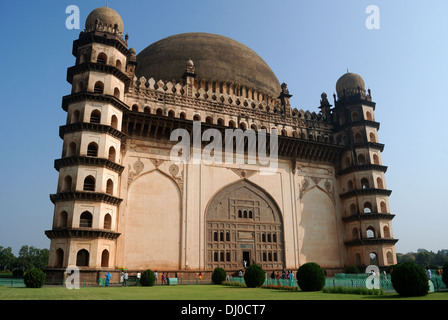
(112, 154)
(376, 160)
(352, 209)
(221, 236)
(240, 214)
(369, 116)
(220, 122)
(196, 117)
(367, 207)
(71, 149)
(370, 232)
(67, 184)
(117, 93)
(63, 219)
(85, 220)
(379, 183)
(227, 256)
(358, 138)
(274, 237)
(99, 87)
(114, 122)
(386, 232)
(390, 258)
(355, 233)
(118, 64)
(232, 124)
(372, 137)
(80, 86)
(89, 184)
(59, 258)
(183, 115)
(75, 116)
(209, 120)
(355, 116)
(105, 259)
(83, 58)
(264, 256)
(227, 236)
(102, 58)
(364, 183)
(215, 256)
(147, 110)
(221, 254)
(159, 111)
(82, 258)
(135, 108)
(107, 222)
(253, 126)
(263, 237)
(110, 187)
(95, 116)
(383, 207)
(92, 149)
(357, 259)
(361, 159)
(171, 114)
(373, 258)
(350, 185)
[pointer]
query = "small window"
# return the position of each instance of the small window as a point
(89, 184)
(105, 259)
(92, 149)
(95, 116)
(85, 220)
(82, 258)
(110, 187)
(107, 222)
(99, 87)
(102, 58)
(111, 154)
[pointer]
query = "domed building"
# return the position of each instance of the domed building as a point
(158, 171)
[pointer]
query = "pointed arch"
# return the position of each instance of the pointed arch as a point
(247, 210)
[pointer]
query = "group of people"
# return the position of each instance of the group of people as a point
(283, 275)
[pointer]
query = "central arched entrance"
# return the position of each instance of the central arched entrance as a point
(243, 226)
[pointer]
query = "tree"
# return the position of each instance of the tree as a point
(7, 259)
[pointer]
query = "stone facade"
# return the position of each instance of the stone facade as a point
(122, 201)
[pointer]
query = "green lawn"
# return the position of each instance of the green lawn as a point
(187, 292)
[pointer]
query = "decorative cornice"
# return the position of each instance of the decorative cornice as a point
(87, 126)
(99, 67)
(366, 191)
(101, 37)
(87, 161)
(96, 97)
(85, 196)
(139, 124)
(368, 216)
(81, 233)
(362, 167)
(359, 123)
(370, 241)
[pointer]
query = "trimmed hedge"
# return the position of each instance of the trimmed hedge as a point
(148, 278)
(310, 277)
(219, 275)
(254, 276)
(409, 280)
(34, 278)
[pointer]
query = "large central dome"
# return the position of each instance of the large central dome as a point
(215, 58)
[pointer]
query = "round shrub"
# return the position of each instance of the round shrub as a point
(147, 278)
(34, 278)
(445, 274)
(219, 275)
(310, 277)
(254, 276)
(352, 270)
(409, 280)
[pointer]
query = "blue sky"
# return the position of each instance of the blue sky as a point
(308, 45)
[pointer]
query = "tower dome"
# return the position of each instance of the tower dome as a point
(106, 17)
(215, 57)
(349, 84)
